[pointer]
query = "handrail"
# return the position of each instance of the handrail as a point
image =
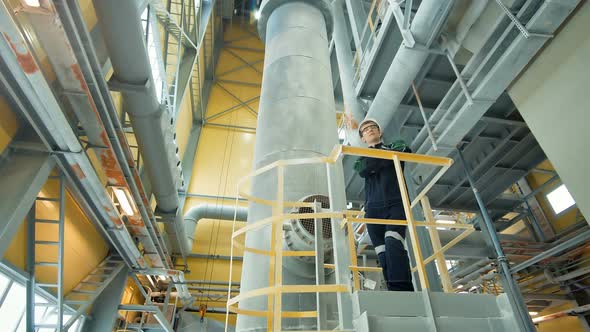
(274, 312)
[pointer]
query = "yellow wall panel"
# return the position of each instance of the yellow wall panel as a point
(246, 52)
(224, 156)
(88, 13)
(16, 253)
(8, 124)
(131, 295)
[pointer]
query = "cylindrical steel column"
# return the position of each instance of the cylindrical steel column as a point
(296, 120)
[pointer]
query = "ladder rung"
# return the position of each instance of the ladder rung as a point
(75, 302)
(91, 283)
(106, 268)
(53, 243)
(47, 285)
(46, 326)
(99, 275)
(48, 199)
(47, 221)
(47, 304)
(46, 263)
(82, 291)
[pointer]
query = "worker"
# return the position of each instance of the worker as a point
(383, 201)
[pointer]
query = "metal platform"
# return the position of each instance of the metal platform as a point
(424, 311)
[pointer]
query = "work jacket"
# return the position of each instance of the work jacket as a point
(381, 185)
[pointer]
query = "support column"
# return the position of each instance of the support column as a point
(508, 283)
(105, 307)
(296, 120)
(353, 113)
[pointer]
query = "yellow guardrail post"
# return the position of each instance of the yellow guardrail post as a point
(411, 226)
(436, 246)
(278, 250)
(353, 259)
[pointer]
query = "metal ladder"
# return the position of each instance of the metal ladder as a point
(33, 245)
(174, 51)
(84, 294)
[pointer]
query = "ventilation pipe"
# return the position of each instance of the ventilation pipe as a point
(153, 125)
(209, 211)
(408, 61)
(296, 120)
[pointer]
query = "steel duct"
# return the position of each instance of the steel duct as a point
(153, 126)
(209, 211)
(407, 62)
(296, 120)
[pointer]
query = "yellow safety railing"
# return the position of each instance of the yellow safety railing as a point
(276, 288)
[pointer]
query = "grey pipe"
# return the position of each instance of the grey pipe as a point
(510, 286)
(209, 211)
(574, 241)
(546, 297)
(353, 112)
(296, 120)
(472, 14)
(153, 126)
(466, 270)
(473, 275)
(407, 63)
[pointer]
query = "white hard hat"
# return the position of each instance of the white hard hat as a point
(365, 121)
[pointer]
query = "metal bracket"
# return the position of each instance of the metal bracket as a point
(424, 48)
(526, 33)
(403, 21)
(39, 147)
(116, 85)
(460, 79)
(429, 310)
(424, 117)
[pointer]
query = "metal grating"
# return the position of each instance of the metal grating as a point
(309, 224)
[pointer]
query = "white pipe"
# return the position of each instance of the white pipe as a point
(209, 211)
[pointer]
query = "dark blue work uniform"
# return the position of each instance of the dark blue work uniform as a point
(383, 201)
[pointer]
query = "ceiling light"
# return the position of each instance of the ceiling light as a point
(125, 201)
(257, 14)
(460, 287)
(533, 313)
(441, 221)
(32, 3)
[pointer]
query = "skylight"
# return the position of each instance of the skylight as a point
(560, 199)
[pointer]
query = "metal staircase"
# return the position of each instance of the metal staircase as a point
(44, 234)
(83, 295)
(378, 311)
